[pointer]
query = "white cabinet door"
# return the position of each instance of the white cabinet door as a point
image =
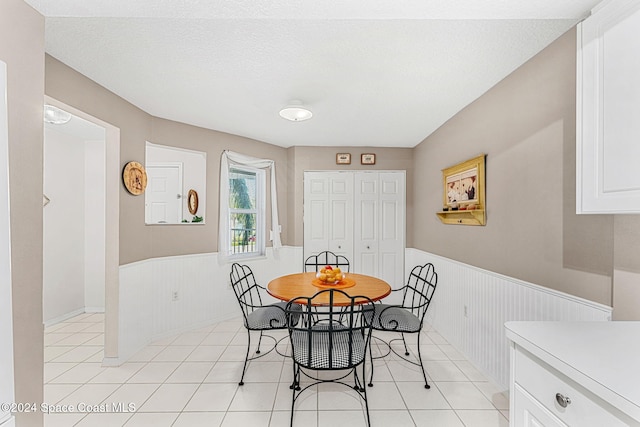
(328, 213)
(608, 102)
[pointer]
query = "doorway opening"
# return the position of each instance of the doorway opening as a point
(80, 237)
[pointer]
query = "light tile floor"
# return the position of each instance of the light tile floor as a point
(191, 380)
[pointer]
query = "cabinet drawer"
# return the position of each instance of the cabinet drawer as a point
(528, 412)
(543, 382)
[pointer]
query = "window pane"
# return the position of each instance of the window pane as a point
(242, 197)
(243, 233)
(242, 189)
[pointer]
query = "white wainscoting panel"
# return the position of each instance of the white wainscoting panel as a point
(160, 297)
(149, 312)
(489, 300)
(135, 303)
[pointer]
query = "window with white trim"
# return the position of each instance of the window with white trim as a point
(247, 188)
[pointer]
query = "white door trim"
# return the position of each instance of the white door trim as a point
(6, 315)
(112, 224)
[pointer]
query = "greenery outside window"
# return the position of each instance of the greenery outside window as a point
(247, 190)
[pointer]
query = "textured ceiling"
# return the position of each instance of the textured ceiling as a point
(374, 73)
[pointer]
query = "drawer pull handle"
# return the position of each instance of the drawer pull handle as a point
(562, 400)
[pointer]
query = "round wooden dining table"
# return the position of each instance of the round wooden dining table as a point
(306, 285)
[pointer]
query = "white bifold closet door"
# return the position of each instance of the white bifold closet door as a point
(379, 225)
(360, 215)
(328, 213)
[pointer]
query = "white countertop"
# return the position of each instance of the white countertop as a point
(603, 357)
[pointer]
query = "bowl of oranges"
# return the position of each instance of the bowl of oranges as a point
(330, 275)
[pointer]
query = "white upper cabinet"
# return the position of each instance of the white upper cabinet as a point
(608, 109)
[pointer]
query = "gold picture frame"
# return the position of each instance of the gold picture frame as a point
(192, 202)
(463, 195)
(343, 158)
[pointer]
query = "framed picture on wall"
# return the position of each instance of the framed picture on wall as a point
(343, 158)
(464, 193)
(368, 159)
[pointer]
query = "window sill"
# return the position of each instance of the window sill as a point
(246, 257)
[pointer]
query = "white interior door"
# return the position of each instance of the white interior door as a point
(366, 223)
(340, 214)
(163, 196)
(360, 215)
(315, 216)
(379, 239)
(328, 213)
(391, 238)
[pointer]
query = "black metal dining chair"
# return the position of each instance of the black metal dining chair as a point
(256, 315)
(317, 261)
(328, 337)
(407, 317)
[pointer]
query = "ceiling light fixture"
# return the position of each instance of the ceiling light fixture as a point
(55, 116)
(296, 112)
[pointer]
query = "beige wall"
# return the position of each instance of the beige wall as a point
(176, 239)
(22, 48)
(72, 88)
(137, 240)
(626, 284)
(526, 126)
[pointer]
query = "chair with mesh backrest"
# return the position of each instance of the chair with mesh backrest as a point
(256, 315)
(317, 261)
(330, 337)
(408, 316)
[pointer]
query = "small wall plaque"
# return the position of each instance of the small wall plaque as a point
(368, 159)
(134, 177)
(343, 158)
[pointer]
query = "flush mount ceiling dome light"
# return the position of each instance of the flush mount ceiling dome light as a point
(296, 112)
(55, 116)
